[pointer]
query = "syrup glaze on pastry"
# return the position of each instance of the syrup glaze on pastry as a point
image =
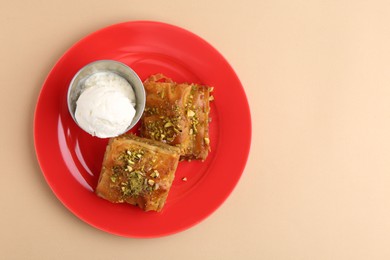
(177, 114)
(137, 171)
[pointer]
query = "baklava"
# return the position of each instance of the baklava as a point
(137, 171)
(177, 114)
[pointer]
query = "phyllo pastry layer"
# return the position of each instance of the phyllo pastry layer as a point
(137, 171)
(177, 114)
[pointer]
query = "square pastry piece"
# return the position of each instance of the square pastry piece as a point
(177, 114)
(137, 171)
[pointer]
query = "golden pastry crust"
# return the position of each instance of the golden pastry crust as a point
(177, 114)
(137, 171)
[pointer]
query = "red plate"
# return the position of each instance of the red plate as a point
(71, 159)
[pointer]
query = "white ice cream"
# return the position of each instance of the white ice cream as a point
(105, 108)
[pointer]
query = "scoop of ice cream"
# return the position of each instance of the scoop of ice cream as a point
(105, 108)
(110, 79)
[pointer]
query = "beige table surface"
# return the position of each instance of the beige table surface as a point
(317, 182)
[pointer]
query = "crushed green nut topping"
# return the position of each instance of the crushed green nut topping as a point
(190, 113)
(168, 124)
(164, 130)
(194, 124)
(155, 174)
(130, 176)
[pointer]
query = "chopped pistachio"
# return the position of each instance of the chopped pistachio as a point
(211, 89)
(134, 181)
(156, 186)
(207, 140)
(155, 174)
(184, 179)
(211, 98)
(137, 174)
(151, 182)
(190, 113)
(168, 124)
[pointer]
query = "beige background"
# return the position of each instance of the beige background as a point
(317, 181)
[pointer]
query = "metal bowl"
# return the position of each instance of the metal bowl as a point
(76, 86)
